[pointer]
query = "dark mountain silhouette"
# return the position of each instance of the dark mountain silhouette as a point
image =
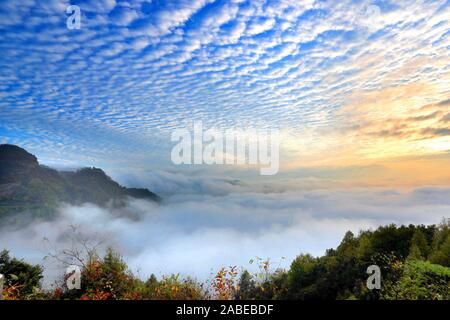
(27, 186)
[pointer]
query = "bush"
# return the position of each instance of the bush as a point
(22, 280)
(422, 280)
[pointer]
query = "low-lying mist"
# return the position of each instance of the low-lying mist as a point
(195, 233)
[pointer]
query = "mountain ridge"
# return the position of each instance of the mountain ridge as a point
(27, 186)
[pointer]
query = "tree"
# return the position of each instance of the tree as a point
(246, 287)
(24, 277)
(302, 277)
(440, 252)
(419, 246)
(421, 280)
(107, 278)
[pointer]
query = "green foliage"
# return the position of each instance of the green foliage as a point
(174, 288)
(104, 279)
(419, 246)
(23, 277)
(400, 252)
(441, 245)
(302, 277)
(421, 280)
(263, 285)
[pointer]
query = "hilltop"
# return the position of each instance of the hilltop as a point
(29, 187)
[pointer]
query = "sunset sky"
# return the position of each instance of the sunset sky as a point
(359, 89)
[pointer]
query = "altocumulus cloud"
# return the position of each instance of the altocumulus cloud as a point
(196, 234)
(137, 69)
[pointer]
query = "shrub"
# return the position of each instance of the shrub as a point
(22, 280)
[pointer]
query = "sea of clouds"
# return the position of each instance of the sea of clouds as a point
(206, 223)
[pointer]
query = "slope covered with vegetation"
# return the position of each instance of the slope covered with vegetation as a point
(414, 263)
(30, 189)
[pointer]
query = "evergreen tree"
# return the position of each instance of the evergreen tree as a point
(419, 246)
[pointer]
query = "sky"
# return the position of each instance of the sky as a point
(354, 83)
(359, 91)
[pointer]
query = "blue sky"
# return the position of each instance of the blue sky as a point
(110, 93)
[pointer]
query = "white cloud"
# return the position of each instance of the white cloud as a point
(197, 234)
(123, 16)
(98, 6)
(258, 27)
(197, 60)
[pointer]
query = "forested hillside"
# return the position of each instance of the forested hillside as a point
(30, 189)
